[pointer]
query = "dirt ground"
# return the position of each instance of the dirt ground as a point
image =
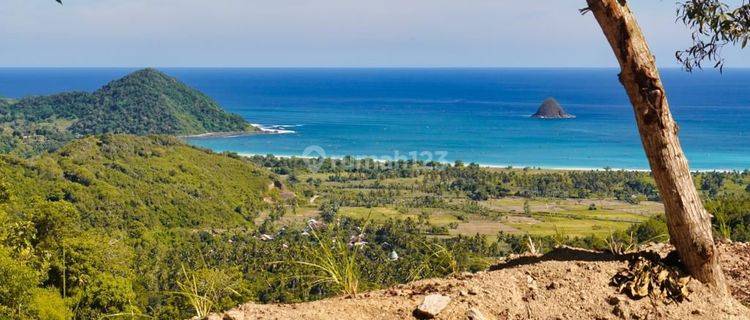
(564, 284)
(735, 260)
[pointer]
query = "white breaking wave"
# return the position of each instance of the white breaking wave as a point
(277, 128)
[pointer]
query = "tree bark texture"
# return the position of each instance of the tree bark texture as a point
(688, 222)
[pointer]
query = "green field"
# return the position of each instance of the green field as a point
(546, 216)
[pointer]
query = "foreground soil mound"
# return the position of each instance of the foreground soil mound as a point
(564, 284)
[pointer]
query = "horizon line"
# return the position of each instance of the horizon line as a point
(351, 67)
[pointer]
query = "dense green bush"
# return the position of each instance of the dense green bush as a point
(651, 230)
(731, 215)
(18, 283)
(106, 294)
(47, 304)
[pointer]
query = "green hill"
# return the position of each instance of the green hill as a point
(105, 220)
(141, 103)
(153, 182)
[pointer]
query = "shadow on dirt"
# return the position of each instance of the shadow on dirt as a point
(574, 254)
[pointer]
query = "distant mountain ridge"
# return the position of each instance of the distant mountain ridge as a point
(143, 102)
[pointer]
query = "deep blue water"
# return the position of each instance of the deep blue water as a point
(475, 115)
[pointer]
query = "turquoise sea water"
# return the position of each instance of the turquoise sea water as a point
(475, 115)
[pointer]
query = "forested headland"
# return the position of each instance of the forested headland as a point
(144, 102)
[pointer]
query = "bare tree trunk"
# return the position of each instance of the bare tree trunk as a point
(688, 222)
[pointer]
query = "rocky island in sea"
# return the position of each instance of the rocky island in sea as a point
(551, 109)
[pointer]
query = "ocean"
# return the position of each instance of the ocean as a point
(473, 115)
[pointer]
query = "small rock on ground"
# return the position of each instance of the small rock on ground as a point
(431, 306)
(475, 314)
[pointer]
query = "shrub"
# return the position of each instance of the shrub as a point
(731, 215)
(17, 283)
(653, 229)
(329, 211)
(438, 230)
(107, 294)
(47, 304)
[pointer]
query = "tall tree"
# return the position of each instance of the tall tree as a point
(688, 222)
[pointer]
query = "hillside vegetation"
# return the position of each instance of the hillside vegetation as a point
(96, 221)
(141, 103)
(469, 199)
(122, 226)
(125, 226)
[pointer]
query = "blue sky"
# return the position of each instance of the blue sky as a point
(323, 33)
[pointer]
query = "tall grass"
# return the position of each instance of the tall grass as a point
(203, 289)
(621, 243)
(531, 246)
(725, 232)
(620, 246)
(559, 237)
(190, 289)
(440, 260)
(126, 315)
(334, 263)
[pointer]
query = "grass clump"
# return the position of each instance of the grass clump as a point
(206, 288)
(333, 262)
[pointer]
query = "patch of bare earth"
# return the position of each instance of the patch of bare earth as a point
(735, 260)
(564, 284)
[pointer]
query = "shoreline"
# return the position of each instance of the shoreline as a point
(230, 134)
(233, 134)
(490, 166)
